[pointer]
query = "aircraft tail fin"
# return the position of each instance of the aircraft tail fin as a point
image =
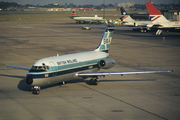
(106, 39)
(73, 13)
(123, 11)
(126, 17)
(155, 14)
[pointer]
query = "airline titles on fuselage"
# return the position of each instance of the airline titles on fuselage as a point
(67, 62)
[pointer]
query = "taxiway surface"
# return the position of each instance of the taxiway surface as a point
(128, 97)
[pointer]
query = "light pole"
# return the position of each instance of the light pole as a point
(103, 9)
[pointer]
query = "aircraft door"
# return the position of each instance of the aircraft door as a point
(53, 68)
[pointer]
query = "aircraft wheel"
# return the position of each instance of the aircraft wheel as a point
(91, 82)
(37, 92)
(95, 82)
(34, 91)
(62, 83)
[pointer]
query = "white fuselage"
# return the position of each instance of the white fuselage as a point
(137, 23)
(88, 18)
(166, 24)
(170, 24)
(127, 20)
(64, 68)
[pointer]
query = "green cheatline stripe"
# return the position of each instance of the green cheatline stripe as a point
(70, 66)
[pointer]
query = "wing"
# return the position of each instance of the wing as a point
(18, 67)
(143, 24)
(157, 26)
(86, 74)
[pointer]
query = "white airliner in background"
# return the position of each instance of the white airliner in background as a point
(58, 69)
(159, 22)
(85, 20)
(127, 20)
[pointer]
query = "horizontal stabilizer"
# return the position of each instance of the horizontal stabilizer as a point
(85, 74)
(18, 67)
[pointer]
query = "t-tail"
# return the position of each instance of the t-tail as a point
(123, 11)
(126, 16)
(73, 13)
(106, 39)
(155, 15)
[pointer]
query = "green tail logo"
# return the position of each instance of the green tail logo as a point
(106, 40)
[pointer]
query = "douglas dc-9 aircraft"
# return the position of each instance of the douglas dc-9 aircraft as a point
(59, 69)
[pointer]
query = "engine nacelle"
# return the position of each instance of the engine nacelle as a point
(106, 63)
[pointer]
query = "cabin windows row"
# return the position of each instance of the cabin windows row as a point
(77, 64)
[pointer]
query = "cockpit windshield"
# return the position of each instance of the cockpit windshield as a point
(39, 68)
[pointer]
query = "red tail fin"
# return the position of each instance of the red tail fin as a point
(152, 9)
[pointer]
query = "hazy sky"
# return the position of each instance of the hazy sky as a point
(84, 2)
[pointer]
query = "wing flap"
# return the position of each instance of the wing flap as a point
(18, 67)
(85, 74)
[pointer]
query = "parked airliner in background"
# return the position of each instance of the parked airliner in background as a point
(159, 22)
(59, 69)
(85, 20)
(127, 20)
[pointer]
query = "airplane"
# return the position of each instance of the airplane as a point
(159, 22)
(127, 20)
(59, 69)
(85, 20)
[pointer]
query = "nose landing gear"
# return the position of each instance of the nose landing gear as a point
(36, 90)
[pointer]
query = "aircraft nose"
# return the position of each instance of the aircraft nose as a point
(29, 80)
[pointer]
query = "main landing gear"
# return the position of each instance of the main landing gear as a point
(62, 83)
(36, 90)
(94, 81)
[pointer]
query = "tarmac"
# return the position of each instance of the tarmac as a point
(128, 97)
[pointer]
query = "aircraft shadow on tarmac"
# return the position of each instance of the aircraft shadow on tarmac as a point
(88, 83)
(24, 87)
(15, 76)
